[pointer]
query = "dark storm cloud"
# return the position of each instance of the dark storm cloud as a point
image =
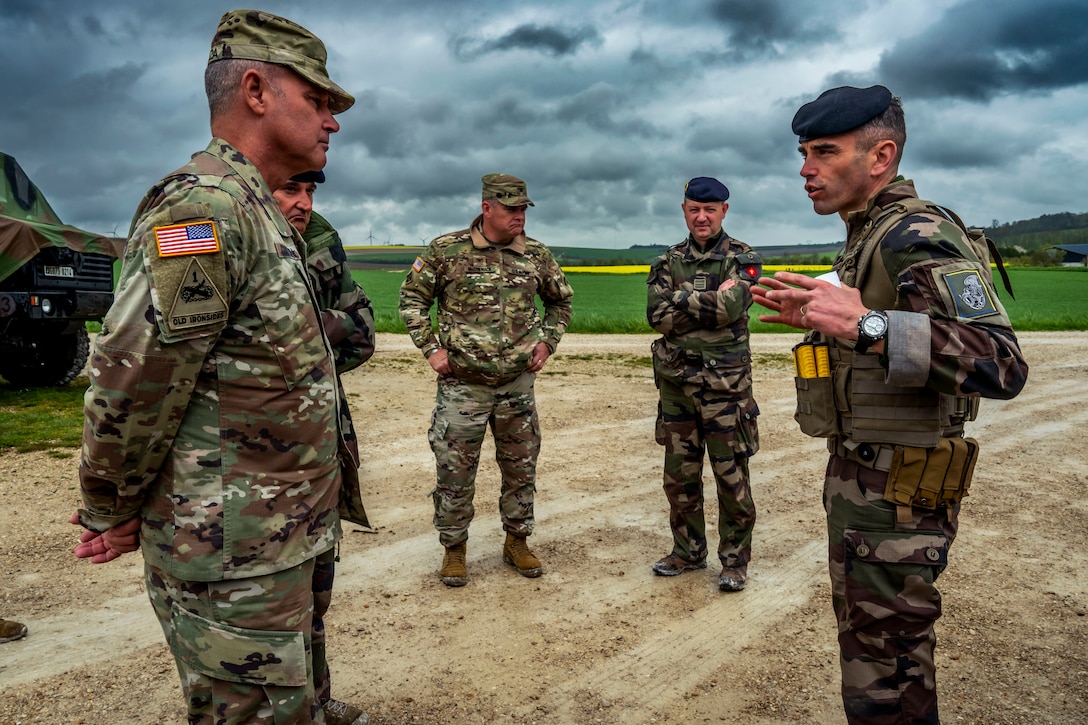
(605, 107)
(548, 39)
(982, 49)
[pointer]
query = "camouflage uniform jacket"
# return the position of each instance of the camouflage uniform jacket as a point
(486, 295)
(212, 411)
(347, 316)
(704, 331)
(949, 339)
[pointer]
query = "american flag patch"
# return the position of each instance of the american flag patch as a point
(418, 264)
(192, 238)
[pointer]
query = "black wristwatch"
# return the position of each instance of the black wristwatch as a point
(872, 327)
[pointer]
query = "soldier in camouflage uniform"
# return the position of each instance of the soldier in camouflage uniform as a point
(347, 318)
(213, 437)
(698, 299)
(491, 343)
(916, 335)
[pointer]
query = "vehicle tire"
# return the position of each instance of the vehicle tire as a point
(51, 359)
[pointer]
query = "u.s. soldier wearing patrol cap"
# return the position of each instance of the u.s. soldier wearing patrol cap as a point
(698, 299)
(212, 439)
(491, 342)
(917, 335)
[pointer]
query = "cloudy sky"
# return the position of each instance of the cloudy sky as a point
(604, 108)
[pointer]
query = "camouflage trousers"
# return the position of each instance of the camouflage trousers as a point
(885, 600)
(693, 421)
(324, 573)
(463, 413)
(242, 646)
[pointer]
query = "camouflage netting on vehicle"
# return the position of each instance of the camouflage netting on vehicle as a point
(28, 224)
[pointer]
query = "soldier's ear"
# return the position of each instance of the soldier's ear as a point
(883, 155)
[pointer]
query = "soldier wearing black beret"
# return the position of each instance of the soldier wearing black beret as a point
(698, 299)
(914, 335)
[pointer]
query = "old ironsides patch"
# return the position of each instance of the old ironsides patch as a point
(971, 293)
(198, 300)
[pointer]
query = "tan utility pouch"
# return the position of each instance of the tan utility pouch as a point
(930, 477)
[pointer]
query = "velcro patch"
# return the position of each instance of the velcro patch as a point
(418, 264)
(193, 238)
(198, 301)
(287, 252)
(970, 293)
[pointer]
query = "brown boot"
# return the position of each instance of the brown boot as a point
(341, 713)
(11, 631)
(454, 571)
(516, 553)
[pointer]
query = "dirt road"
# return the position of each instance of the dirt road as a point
(598, 638)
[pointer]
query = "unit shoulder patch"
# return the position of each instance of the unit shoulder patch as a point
(970, 292)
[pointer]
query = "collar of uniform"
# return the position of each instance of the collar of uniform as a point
(899, 188)
(249, 175)
(715, 250)
(516, 245)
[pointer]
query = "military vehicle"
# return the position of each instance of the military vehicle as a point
(54, 278)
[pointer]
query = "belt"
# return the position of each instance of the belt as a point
(877, 456)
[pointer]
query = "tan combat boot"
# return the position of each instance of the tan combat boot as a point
(454, 572)
(516, 553)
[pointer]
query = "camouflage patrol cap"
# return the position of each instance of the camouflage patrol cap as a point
(257, 35)
(505, 189)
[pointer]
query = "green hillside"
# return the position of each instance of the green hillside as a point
(1020, 242)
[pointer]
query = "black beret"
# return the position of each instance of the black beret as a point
(840, 110)
(705, 189)
(310, 177)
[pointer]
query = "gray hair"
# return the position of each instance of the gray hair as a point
(222, 78)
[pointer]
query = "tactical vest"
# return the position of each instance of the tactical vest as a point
(869, 409)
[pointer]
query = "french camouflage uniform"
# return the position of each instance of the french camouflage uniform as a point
(703, 371)
(489, 324)
(949, 342)
(214, 415)
(347, 317)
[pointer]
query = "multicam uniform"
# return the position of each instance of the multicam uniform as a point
(213, 415)
(949, 342)
(489, 324)
(347, 317)
(703, 370)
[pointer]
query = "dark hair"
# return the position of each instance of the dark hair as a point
(889, 125)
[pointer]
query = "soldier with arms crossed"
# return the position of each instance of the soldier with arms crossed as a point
(912, 339)
(347, 318)
(698, 299)
(491, 343)
(213, 439)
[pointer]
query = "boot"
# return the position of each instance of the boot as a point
(516, 553)
(11, 631)
(341, 713)
(454, 571)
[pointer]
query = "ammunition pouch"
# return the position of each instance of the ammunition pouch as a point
(930, 477)
(816, 413)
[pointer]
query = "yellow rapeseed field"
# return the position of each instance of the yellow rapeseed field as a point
(645, 268)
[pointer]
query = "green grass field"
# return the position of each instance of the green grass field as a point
(1052, 298)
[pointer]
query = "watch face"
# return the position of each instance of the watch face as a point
(874, 325)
